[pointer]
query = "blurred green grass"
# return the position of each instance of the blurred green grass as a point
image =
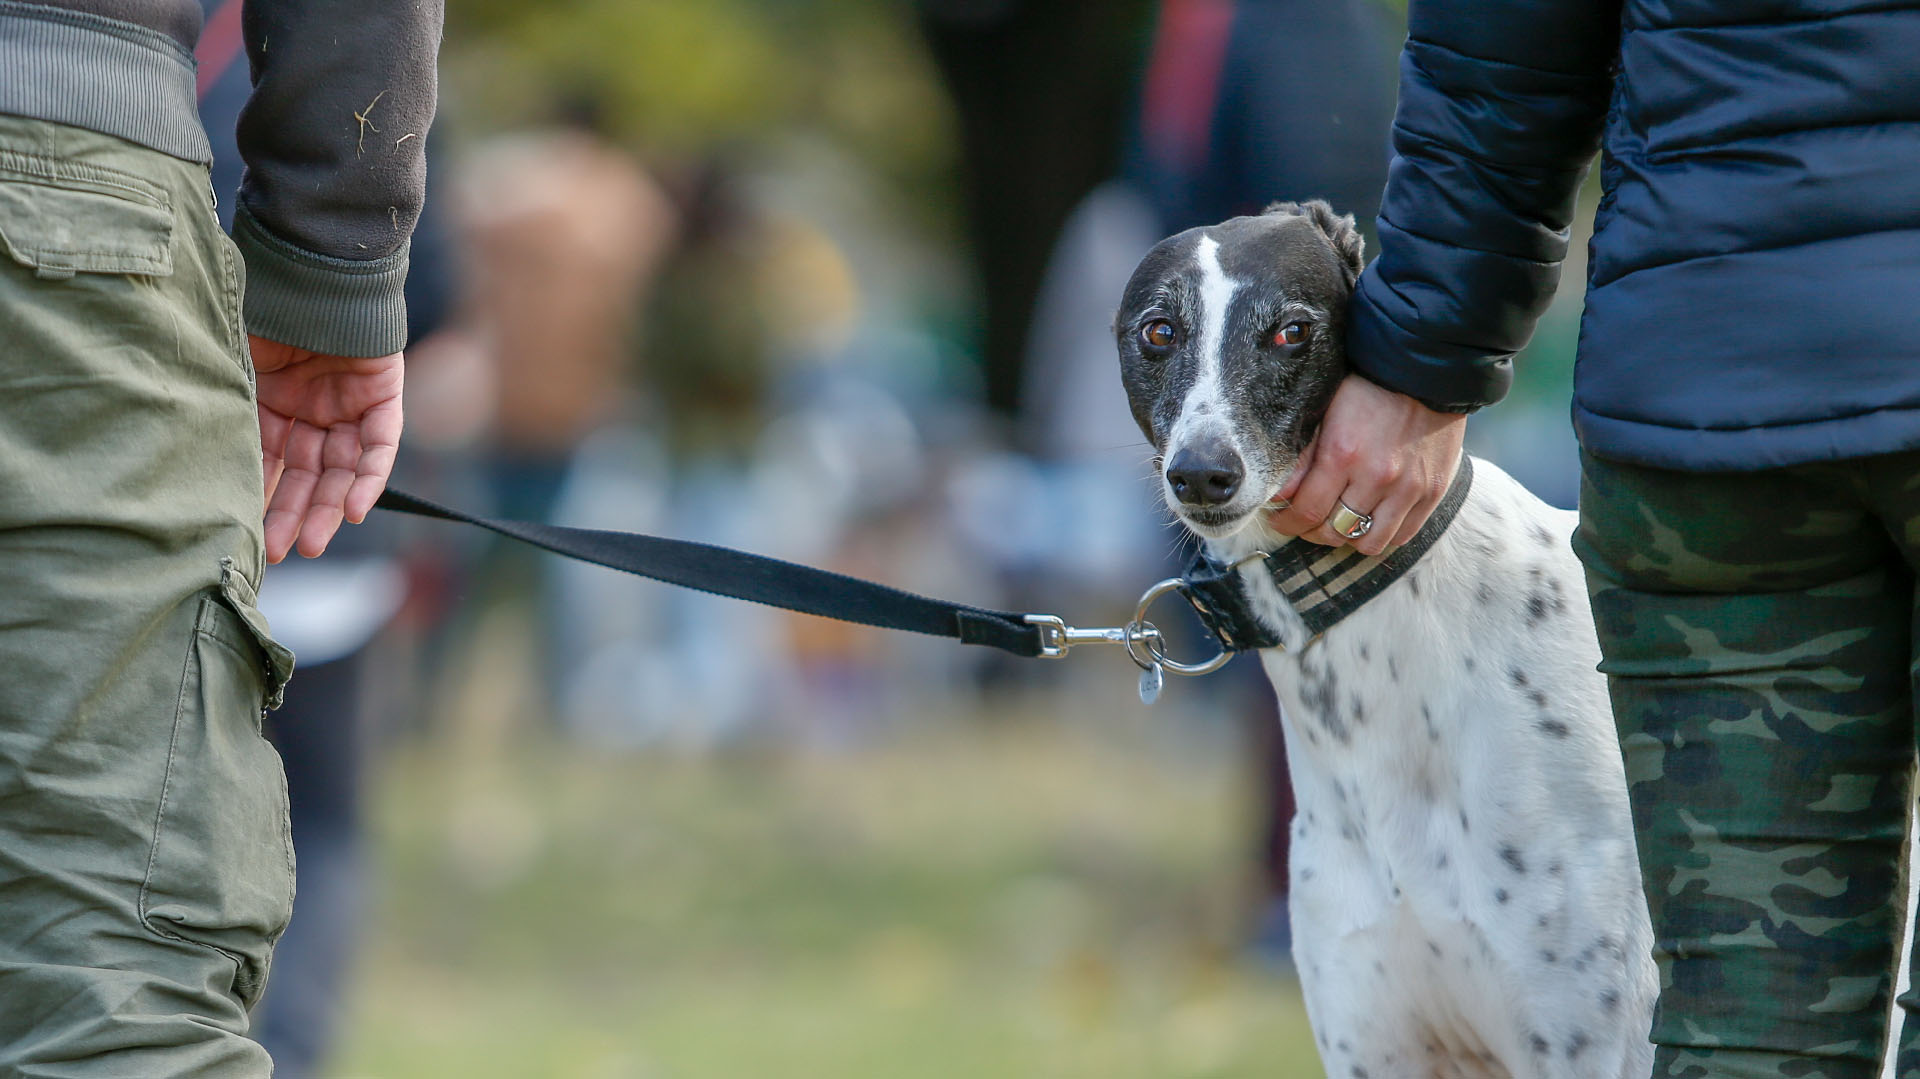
(1022, 897)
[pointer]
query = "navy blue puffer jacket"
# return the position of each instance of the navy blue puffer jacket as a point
(1754, 287)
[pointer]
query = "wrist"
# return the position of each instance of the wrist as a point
(312, 302)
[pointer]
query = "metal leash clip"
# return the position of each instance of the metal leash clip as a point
(1144, 643)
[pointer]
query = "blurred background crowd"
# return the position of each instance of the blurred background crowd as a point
(829, 280)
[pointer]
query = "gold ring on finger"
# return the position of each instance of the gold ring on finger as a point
(1349, 522)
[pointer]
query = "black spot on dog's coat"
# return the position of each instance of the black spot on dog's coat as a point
(1536, 609)
(1554, 727)
(1510, 854)
(1320, 694)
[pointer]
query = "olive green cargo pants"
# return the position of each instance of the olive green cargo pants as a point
(145, 864)
(1758, 634)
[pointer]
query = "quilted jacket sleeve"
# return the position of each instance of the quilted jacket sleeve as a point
(1501, 107)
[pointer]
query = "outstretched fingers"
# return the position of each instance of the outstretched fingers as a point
(326, 508)
(324, 471)
(299, 476)
(274, 429)
(379, 446)
(329, 433)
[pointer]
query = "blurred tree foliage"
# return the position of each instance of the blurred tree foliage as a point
(677, 78)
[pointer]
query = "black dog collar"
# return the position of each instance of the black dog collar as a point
(1322, 584)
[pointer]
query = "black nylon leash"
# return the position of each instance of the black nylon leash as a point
(723, 571)
(1322, 584)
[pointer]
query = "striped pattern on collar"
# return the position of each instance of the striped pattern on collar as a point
(1322, 584)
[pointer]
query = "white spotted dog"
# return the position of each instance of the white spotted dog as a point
(1466, 898)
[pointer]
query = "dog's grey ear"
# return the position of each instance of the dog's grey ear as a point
(1340, 231)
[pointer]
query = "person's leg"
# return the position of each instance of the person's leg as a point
(319, 735)
(1894, 486)
(145, 869)
(1755, 629)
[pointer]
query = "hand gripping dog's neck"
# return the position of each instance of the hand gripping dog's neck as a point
(1321, 585)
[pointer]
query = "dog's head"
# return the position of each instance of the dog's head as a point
(1230, 348)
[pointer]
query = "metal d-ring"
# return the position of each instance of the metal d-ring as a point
(1144, 643)
(1153, 644)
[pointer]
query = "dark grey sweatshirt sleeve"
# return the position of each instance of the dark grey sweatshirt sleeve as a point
(334, 140)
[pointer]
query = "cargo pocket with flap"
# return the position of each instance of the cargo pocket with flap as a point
(220, 873)
(59, 218)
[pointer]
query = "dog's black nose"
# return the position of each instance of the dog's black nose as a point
(1206, 474)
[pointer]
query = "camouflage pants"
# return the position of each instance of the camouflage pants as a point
(1758, 634)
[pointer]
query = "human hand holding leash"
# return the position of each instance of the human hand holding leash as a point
(329, 430)
(1384, 456)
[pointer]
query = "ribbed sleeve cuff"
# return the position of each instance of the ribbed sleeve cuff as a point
(109, 76)
(1444, 377)
(339, 307)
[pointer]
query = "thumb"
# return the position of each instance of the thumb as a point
(1300, 470)
(268, 356)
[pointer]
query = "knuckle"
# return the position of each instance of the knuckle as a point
(1341, 454)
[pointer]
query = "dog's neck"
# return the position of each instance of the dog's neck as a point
(1297, 590)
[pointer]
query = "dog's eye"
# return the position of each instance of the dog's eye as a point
(1158, 335)
(1292, 334)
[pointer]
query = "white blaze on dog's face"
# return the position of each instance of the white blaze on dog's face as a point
(1230, 348)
